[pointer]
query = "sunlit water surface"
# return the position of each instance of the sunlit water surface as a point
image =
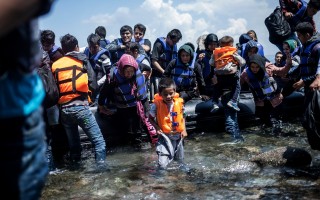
(215, 171)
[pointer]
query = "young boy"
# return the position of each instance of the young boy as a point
(139, 31)
(102, 32)
(47, 42)
(99, 59)
(167, 116)
(226, 62)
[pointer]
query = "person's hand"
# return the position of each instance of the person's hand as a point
(184, 134)
(288, 15)
(298, 84)
(105, 110)
(201, 56)
(315, 85)
(214, 80)
(159, 131)
(146, 74)
(289, 59)
(205, 97)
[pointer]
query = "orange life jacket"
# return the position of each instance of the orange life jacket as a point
(223, 56)
(170, 122)
(71, 78)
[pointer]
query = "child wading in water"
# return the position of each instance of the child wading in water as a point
(167, 116)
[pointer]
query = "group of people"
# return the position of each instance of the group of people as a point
(147, 85)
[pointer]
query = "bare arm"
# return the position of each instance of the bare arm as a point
(280, 71)
(146, 48)
(157, 66)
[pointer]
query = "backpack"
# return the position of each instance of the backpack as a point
(278, 27)
(50, 86)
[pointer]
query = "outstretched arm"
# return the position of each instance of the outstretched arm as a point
(280, 71)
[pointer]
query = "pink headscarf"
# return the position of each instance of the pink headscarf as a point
(126, 60)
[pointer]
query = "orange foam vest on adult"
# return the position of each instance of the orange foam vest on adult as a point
(71, 78)
(170, 121)
(224, 55)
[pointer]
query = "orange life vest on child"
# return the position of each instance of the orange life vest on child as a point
(71, 79)
(223, 56)
(170, 121)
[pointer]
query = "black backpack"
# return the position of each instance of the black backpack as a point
(49, 83)
(278, 27)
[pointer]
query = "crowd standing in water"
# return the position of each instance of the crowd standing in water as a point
(123, 77)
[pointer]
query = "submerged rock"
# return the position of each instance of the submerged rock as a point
(241, 166)
(284, 156)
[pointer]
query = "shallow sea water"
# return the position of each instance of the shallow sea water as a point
(215, 171)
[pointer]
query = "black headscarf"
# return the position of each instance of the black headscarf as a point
(261, 61)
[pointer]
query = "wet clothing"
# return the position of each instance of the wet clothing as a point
(164, 150)
(231, 118)
(167, 148)
(80, 115)
(73, 73)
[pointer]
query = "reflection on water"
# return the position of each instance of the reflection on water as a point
(215, 171)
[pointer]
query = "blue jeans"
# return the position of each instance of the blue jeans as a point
(80, 115)
(23, 166)
(231, 82)
(231, 118)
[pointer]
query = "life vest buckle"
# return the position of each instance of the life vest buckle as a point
(174, 124)
(174, 114)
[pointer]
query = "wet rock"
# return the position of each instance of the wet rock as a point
(284, 156)
(241, 166)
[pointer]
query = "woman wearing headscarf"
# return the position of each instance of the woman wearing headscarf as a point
(266, 94)
(124, 88)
